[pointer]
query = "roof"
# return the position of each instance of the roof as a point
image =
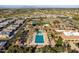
(2, 43)
(59, 30)
(3, 37)
(70, 35)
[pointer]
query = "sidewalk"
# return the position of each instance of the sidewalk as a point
(73, 46)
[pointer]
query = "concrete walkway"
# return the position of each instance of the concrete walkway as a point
(73, 46)
(53, 43)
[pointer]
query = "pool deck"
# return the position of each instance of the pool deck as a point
(46, 41)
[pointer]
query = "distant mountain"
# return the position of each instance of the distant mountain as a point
(39, 6)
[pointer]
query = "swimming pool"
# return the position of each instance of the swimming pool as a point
(39, 38)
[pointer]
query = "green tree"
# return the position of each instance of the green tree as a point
(59, 42)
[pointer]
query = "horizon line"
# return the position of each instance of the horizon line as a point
(39, 6)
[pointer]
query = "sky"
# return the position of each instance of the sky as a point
(39, 6)
(39, 3)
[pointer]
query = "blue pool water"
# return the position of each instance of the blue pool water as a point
(39, 38)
